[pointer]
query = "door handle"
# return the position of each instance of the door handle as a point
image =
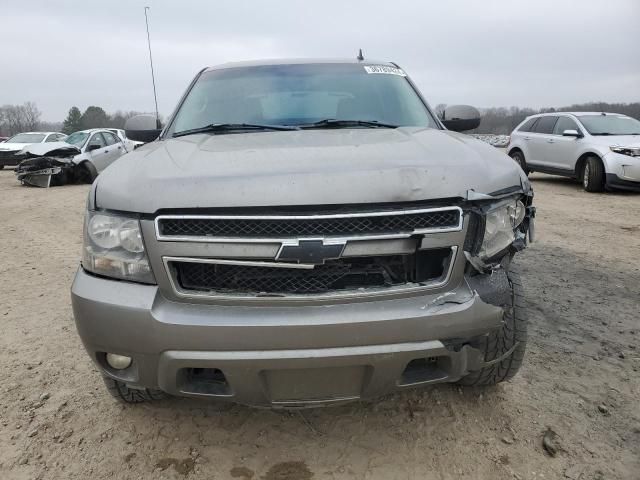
(527, 138)
(106, 151)
(551, 140)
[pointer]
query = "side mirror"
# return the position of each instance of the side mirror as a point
(93, 146)
(572, 133)
(142, 128)
(460, 118)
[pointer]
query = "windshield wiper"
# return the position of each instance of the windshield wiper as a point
(334, 123)
(230, 127)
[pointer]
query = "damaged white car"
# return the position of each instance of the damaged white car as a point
(79, 159)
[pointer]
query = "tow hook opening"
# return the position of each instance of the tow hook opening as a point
(203, 381)
(424, 370)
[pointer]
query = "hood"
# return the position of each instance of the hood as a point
(305, 167)
(53, 149)
(610, 140)
(12, 147)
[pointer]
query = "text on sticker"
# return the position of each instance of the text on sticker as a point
(384, 69)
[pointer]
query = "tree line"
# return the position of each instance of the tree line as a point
(27, 117)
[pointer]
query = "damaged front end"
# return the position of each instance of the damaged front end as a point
(501, 224)
(49, 164)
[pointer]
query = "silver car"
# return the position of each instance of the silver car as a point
(99, 148)
(304, 233)
(602, 150)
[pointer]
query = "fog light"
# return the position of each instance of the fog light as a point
(118, 362)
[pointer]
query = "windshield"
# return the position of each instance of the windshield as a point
(27, 138)
(302, 94)
(610, 124)
(78, 139)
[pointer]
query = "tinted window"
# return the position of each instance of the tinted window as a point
(110, 138)
(528, 125)
(52, 138)
(97, 140)
(545, 124)
(564, 123)
(301, 94)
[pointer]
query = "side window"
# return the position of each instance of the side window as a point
(109, 138)
(528, 125)
(97, 139)
(52, 138)
(564, 123)
(545, 124)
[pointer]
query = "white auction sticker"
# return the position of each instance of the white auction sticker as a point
(384, 69)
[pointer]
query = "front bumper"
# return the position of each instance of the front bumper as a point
(614, 181)
(301, 355)
(623, 171)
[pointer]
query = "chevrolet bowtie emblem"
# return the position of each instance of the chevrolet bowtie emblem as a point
(314, 252)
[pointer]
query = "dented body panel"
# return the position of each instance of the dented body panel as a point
(47, 164)
(320, 167)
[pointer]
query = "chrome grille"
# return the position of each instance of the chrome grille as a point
(295, 226)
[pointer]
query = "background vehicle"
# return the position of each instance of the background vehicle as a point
(99, 148)
(301, 234)
(130, 144)
(602, 150)
(14, 144)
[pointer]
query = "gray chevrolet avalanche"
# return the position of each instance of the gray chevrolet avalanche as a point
(304, 233)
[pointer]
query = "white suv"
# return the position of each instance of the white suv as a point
(600, 149)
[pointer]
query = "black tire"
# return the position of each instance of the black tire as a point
(518, 156)
(512, 334)
(121, 392)
(86, 173)
(593, 175)
(1, 167)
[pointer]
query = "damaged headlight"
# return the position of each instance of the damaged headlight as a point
(501, 222)
(631, 151)
(113, 247)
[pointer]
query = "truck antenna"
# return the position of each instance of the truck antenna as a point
(153, 78)
(360, 56)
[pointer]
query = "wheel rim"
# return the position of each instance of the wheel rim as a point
(585, 177)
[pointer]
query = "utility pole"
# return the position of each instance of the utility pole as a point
(153, 78)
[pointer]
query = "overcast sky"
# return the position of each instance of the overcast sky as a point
(485, 53)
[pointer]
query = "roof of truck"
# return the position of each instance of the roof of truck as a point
(297, 61)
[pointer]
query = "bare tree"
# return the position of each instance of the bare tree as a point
(19, 118)
(31, 115)
(13, 119)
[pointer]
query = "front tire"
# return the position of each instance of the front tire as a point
(124, 394)
(86, 173)
(593, 175)
(512, 335)
(518, 156)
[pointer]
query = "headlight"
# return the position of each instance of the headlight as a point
(113, 247)
(631, 151)
(500, 224)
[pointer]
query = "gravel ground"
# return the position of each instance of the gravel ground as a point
(580, 378)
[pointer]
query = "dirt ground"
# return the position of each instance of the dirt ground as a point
(581, 375)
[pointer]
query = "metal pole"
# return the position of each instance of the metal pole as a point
(153, 78)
